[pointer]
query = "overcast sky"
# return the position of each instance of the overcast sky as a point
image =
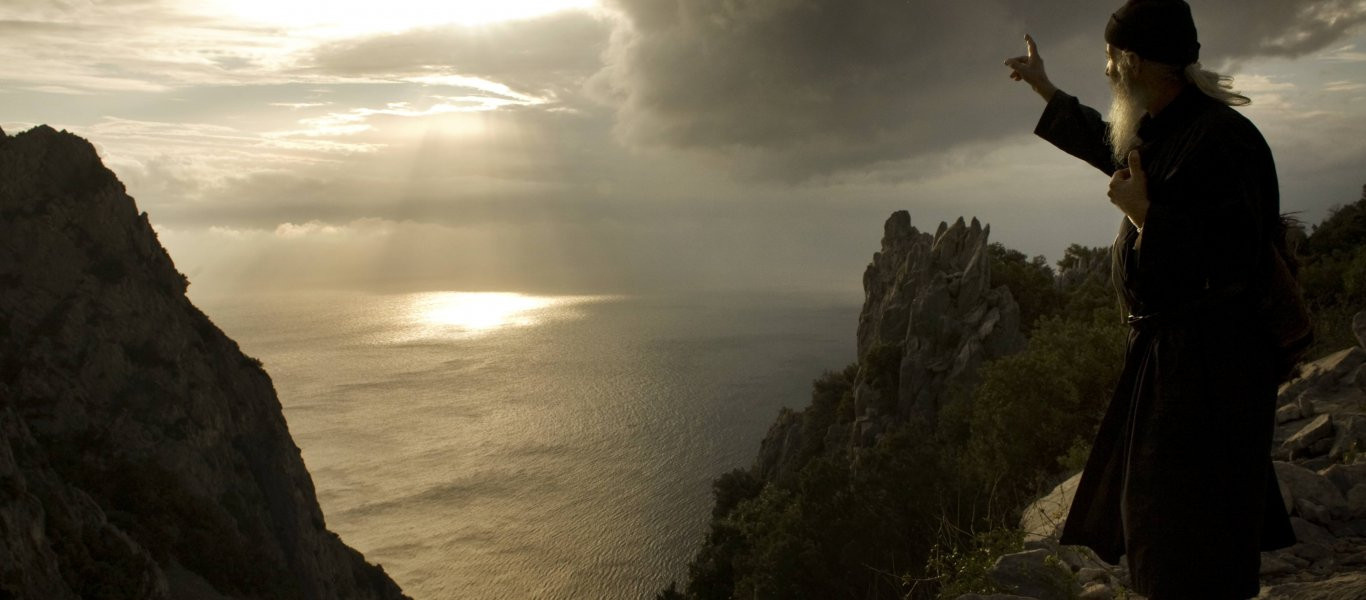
(624, 145)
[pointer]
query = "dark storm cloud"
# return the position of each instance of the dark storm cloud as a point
(1229, 29)
(795, 89)
(531, 55)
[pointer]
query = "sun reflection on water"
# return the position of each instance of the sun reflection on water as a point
(446, 313)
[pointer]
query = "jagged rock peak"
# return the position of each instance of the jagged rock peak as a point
(149, 457)
(907, 261)
(898, 226)
(930, 317)
(929, 301)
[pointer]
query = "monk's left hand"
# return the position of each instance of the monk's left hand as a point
(1129, 190)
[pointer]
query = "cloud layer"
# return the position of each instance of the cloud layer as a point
(650, 144)
(796, 89)
(550, 54)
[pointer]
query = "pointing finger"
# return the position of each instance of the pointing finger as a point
(1031, 47)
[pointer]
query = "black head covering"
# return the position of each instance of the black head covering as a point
(1158, 30)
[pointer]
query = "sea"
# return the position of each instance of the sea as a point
(504, 445)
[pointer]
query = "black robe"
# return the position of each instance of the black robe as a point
(1180, 476)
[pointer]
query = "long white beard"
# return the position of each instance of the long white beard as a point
(1126, 110)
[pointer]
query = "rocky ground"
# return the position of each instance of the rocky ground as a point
(1320, 459)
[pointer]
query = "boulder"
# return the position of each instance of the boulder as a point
(1312, 439)
(1346, 586)
(1318, 463)
(1312, 551)
(1289, 412)
(1030, 573)
(1325, 375)
(1082, 557)
(1307, 407)
(1088, 575)
(1359, 328)
(1339, 367)
(1313, 511)
(1356, 501)
(1307, 488)
(1345, 477)
(1096, 591)
(1310, 534)
(1349, 438)
(1274, 565)
(1044, 517)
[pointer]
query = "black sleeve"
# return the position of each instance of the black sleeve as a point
(1077, 130)
(1206, 227)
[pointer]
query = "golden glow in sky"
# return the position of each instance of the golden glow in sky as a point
(359, 17)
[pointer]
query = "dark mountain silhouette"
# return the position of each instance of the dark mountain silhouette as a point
(142, 454)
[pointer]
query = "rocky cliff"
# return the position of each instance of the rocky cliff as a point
(930, 317)
(142, 454)
(930, 300)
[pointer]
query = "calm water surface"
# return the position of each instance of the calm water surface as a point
(508, 446)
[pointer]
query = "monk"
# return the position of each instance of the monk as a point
(1179, 480)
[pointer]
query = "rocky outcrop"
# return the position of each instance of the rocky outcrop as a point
(142, 454)
(928, 305)
(930, 317)
(1321, 465)
(1043, 519)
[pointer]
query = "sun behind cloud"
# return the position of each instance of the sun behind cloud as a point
(361, 17)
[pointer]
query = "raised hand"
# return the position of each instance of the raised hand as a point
(1029, 69)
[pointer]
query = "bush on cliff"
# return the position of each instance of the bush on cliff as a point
(1031, 283)
(1333, 271)
(841, 530)
(1030, 409)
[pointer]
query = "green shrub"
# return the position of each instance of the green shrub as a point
(1333, 273)
(960, 567)
(832, 402)
(1031, 282)
(1344, 229)
(1031, 408)
(731, 489)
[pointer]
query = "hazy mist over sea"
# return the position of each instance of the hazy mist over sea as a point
(507, 446)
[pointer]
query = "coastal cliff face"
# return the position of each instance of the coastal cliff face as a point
(142, 454)
(930, 317)
(930, 302)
